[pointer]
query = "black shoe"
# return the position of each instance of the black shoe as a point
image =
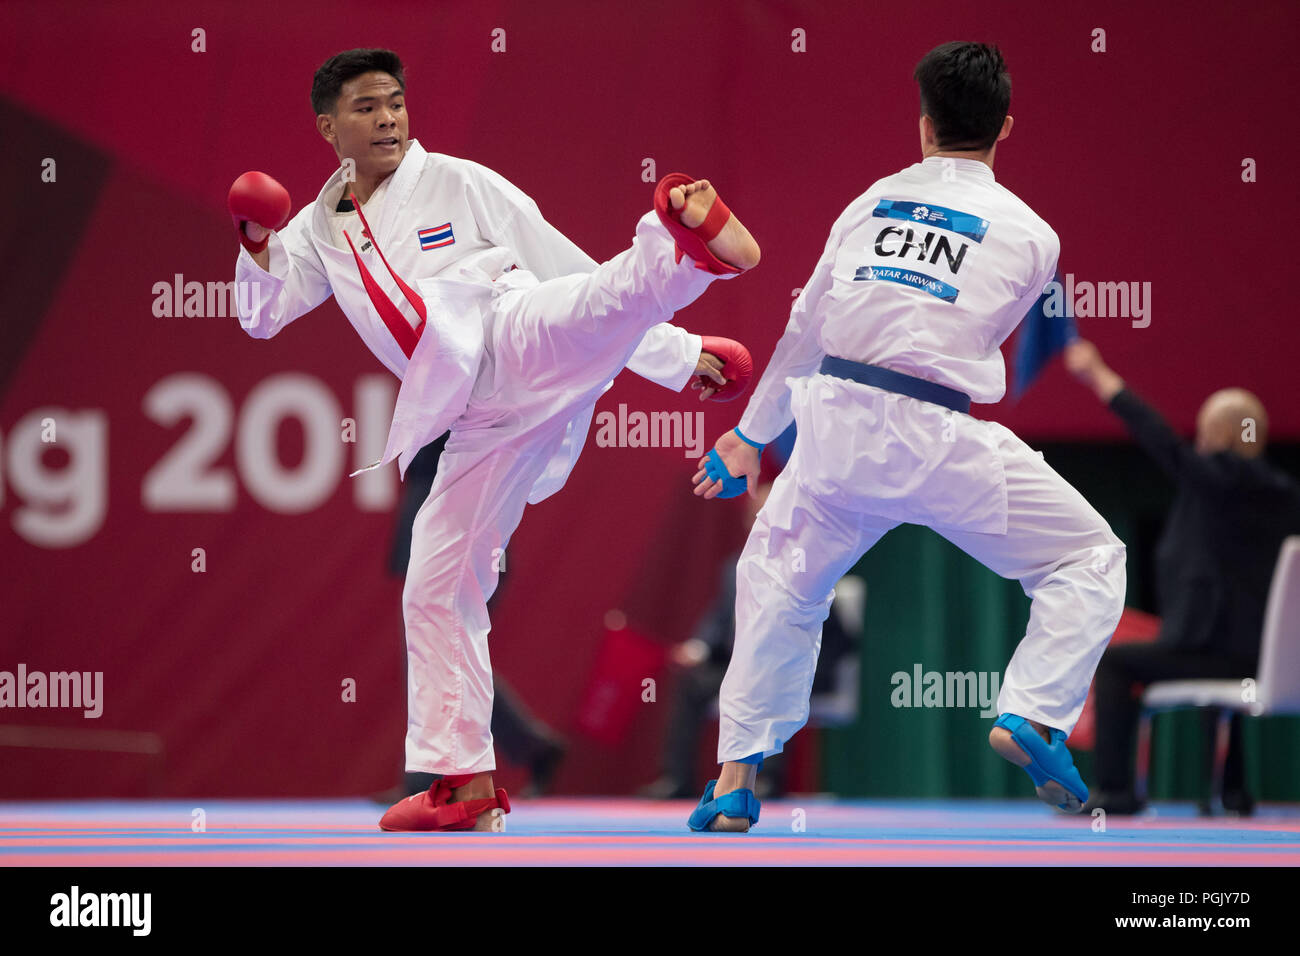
(1239, 802)
(417, 782)
(412, 783)
(544, 767)
(1236, 803)
(1120, 804)
(666, 788)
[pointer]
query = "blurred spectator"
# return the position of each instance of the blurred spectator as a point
(702, 663)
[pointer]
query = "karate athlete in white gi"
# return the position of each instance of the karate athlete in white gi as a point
(923, 277)
(507, 335)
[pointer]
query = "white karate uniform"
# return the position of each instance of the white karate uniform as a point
(926, 273)
(512, 361)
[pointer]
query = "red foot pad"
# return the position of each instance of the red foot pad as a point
(737, 371)
(430, 810)
(692, 242)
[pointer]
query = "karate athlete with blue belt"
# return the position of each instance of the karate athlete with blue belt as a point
(891, 340)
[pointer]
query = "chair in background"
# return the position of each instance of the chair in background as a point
(1274, 691)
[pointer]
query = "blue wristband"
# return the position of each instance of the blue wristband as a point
(747, 441)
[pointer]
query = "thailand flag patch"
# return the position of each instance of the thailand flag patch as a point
(436, 238)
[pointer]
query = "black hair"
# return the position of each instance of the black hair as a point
(966, 90)
(341, 67)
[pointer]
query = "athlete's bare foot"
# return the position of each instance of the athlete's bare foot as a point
(1000, 738)
(733, 244)
(1002, 741)
(733, 776)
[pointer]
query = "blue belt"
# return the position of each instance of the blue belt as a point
(892, 381)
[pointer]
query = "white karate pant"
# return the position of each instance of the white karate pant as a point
(550, 349)
(866, 460)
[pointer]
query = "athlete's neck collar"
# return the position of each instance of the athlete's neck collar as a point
(401, 183)
(979, 168)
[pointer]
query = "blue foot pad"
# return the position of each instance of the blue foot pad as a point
(738, 803)
(1047, 763)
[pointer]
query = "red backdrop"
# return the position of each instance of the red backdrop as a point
(233, 675)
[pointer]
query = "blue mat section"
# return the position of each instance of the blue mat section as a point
(619, 832)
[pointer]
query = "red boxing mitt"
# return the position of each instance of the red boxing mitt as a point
(737, 370)
(256, 197)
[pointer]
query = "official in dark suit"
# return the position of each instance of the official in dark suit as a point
(1214, 564)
